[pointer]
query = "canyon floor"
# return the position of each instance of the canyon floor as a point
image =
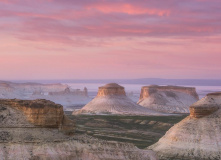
(142, 131)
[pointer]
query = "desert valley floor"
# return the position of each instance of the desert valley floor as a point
(121, 128)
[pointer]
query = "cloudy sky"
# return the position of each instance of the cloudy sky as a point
(92, 39)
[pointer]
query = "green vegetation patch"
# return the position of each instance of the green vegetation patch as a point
(142, 131)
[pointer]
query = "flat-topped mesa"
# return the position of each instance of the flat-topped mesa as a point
(111, 89)
(38, 112)
(168, 99)
(112, 99)
(206, 106)
(146, 91)
(41, 113)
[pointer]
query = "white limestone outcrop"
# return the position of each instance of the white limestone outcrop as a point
(112, 99)
(168, 99)
(196, 137)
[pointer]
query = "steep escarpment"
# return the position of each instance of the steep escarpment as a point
(111, 89)
(23, 136)
(168, 99)
(41, 113)
(112, 99)
(206, 106)
(196, 137)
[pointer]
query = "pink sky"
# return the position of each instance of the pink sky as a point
(72, 39)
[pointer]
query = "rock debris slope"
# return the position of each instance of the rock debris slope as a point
(168, 99)
(38, 130)
(112, 99)
(196, 137)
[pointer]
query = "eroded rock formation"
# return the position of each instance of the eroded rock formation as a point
(23, 136)
(58, 93)
(168, 99)
(205, 106)
(110, 90)
(41, 113)
(112, 99)
(196, 137)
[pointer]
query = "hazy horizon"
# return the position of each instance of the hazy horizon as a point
(91, 79)
(143, 81)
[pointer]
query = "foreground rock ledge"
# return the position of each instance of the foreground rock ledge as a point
(112, 99)
(26, 133)
(168, 99)
(42, 113)
(196, 137)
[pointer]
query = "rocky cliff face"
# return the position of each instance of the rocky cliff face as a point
(111, 89)
(112, 99)
(23, 136)
(206, 106)
(196, 137)
(168, 99)
(41, 113)
(146, 91)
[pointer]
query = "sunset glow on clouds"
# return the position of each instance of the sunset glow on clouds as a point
(57, 39)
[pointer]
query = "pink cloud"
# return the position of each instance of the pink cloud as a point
(128, 9)
(103, 18)
(129, 39)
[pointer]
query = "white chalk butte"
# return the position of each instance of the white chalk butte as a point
(112, 99)
(196, 137)
(168, 99)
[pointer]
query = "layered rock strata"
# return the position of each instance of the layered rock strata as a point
(112, 99)
(168, 99)
(111, 89)
(196, 137)
(41, 113)
(205, 106)
(22, 138)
